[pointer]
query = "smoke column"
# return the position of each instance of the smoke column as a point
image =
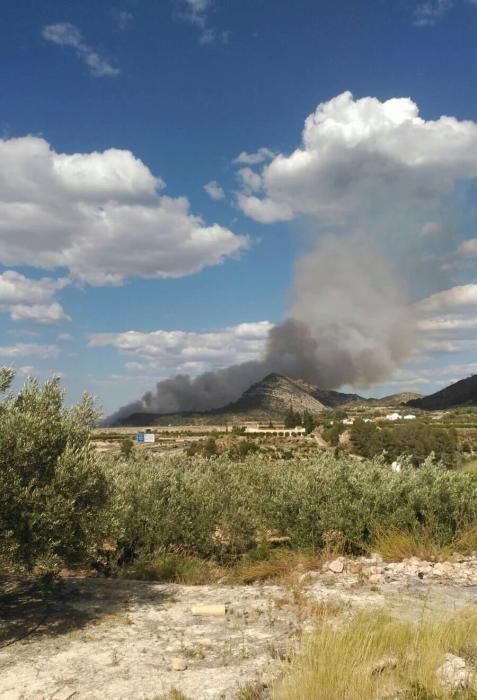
(350, 322)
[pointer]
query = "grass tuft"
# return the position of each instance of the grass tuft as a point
(395, 545)
(373, 656)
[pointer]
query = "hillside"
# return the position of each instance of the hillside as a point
(272, 397)
(396, 399)
(461, 393)
(267, 399)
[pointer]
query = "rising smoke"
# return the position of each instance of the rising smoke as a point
(350, 322)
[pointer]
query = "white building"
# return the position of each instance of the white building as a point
(410, 416)
(393, 416)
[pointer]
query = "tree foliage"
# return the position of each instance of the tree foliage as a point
(414, 439)
(292, 418)
(51, 487)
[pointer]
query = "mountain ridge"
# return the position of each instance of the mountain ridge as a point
(460, 393)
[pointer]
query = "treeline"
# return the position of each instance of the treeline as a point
(295, 419)
(414, 439)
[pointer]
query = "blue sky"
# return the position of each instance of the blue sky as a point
(115, 119)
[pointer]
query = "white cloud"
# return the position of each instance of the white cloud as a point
(428, 13)
(455, 297)
(65, 337)
(468, 248)
(100, 215)
(446, 318)
(250, 180)
(31, 300)
(359, 155)
(67, 34)
(197, 13)
(171, 352)
(259, 156)
(214, 190)
(123, 19)
(28, 350)
(432, 228)
(266, 211)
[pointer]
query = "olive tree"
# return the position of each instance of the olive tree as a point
(52, 490)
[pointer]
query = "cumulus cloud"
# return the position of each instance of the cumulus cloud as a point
(31, 300)
(186, 351)
(67, 34)
(359, 155)
(214, 190)
(250, 180)
(100, 215)
(259, 156)
(447, 320)
(462, 295)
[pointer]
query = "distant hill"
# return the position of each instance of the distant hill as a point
(396, 399)
(268, 399)
(272, 397)
(462, 393)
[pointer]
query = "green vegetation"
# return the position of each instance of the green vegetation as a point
(62, 502)
(127, 446)
(217, 508)
(52, 489)
(415, 439)
(309, 422)
(292, 418)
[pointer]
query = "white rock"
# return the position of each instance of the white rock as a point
(178, 664)
(376, 579)
(209, 610)
(453, 674)
(337, 565)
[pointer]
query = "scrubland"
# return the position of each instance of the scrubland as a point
(243, 517)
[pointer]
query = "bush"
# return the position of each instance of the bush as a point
(416, 440)
(219, 507)
(127, 446)
(51, 487)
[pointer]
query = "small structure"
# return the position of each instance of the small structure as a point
(348, 421)
(146, 437)
(393, 416)
(276, 430)
(410, 416)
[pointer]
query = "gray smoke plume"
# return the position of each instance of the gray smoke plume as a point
(350, 322)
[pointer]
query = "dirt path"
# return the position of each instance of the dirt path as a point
(127, 639)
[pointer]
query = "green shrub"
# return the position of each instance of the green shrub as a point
(217, 507)
(127, 446)
(415, 439)
(52, 490)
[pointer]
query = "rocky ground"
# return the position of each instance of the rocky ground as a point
(118, 639)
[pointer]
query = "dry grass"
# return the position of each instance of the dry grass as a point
(275, 565)
(373, 656)
(174, 694)
(251, 691)
(278, 565)
(395, 545)
(466, 540)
